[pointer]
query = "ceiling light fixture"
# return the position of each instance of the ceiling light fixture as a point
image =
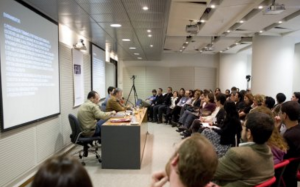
(132, 48)
(183, 47)
(237, 43)
(180, 50)
(260, 7)
(80, 45)
(151, 45)
(140, 58)
(148, 30)
(279, 22)
(116, 25)
(242, 21)
(145, 8)
(261, 31)
(186, 42)
(221, 51)
(136, 53)
(228, 31)
(126, 40)
(212, 6)
(202, 20)
(149, 35)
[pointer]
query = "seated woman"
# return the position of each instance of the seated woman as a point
(62, 171)
(276, 142)
(248, 100)
(225, 136)
(207, 110)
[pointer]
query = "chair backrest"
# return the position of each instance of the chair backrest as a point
(74, 123)
(267, 183)
(279, 169)
(290, 173)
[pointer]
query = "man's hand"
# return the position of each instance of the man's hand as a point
(159, 179)
(112, 113)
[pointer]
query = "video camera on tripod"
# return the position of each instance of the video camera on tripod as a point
(134, 91)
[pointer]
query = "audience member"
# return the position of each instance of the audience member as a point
(174, 100)
(160, 109)
(109, 93)
(269, 102)
(228, 133)
(89, 113)
(193, 164)
(62, 171)
(276, 142)
(156, 103)
(258, 100)
(114, 104)
(152, 97)
(248, 100)
(290, 114)
(240, 100)
(280, 98)
(183, 101)
(296, 97)
(227, 93)
(252, 162)
(217, 91)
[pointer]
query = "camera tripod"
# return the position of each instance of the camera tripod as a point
(134, 92)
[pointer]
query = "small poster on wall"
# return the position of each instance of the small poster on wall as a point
(78, 78)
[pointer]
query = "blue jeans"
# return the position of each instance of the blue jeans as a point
(98, 127)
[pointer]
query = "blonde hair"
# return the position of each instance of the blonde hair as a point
(275, 140)
(259, 98)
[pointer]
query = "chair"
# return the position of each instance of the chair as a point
(291, 173)
(267, 183)
(77, 139)
(279, 169)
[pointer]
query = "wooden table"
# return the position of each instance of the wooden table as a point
(123, 144)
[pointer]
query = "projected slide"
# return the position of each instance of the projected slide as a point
(98, 66)
(29, 65)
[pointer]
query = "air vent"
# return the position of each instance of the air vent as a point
(279, 28)
(165, 49)
(197, 2)
(241, 30)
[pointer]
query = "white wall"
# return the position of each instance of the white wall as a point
(25, 148)
(296, 83)
(233, 70)
(272, 65)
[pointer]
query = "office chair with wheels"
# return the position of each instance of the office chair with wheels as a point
(86, 142)
(267, 183)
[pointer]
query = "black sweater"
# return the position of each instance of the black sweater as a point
(229, 128)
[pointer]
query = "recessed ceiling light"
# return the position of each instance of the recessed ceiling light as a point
(186, 42)
(149, 35)
(201, 51)
(279, 22)
(242, 21)
(145, 8)
(183, 47)
(132, 48)
(221, 51)
(126, 40)
(260, 7)
(116, 25)
(212, 6)
(261, 31)
(136, 53)
(228, 30)
(148, 30)
(151, 45)
(202, 21)
(140, 58)
(237, 43)
(180, 50)
(227, 48)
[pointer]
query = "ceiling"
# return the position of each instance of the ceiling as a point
(167, 20)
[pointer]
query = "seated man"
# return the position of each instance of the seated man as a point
(109, 91)
(193, 164)
(152, 97)
(289, 114)
(114, 103)
(89, 113)
(252, 162)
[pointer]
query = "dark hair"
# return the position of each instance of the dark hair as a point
(170, 88)
(211, 97)
(218, 89)
(261, 126)
(221, 97)
(191, 93)
(241, 95)
(110, 89)
(297, 95)
(280, 97)
(92, 94)
(160, 89)
(269, 102)
(154, 90)
(62, 171)
(233, 88)
(292, 110)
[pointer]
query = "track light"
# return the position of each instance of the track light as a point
(80, 45)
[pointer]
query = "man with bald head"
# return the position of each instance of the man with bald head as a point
(193, 164)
